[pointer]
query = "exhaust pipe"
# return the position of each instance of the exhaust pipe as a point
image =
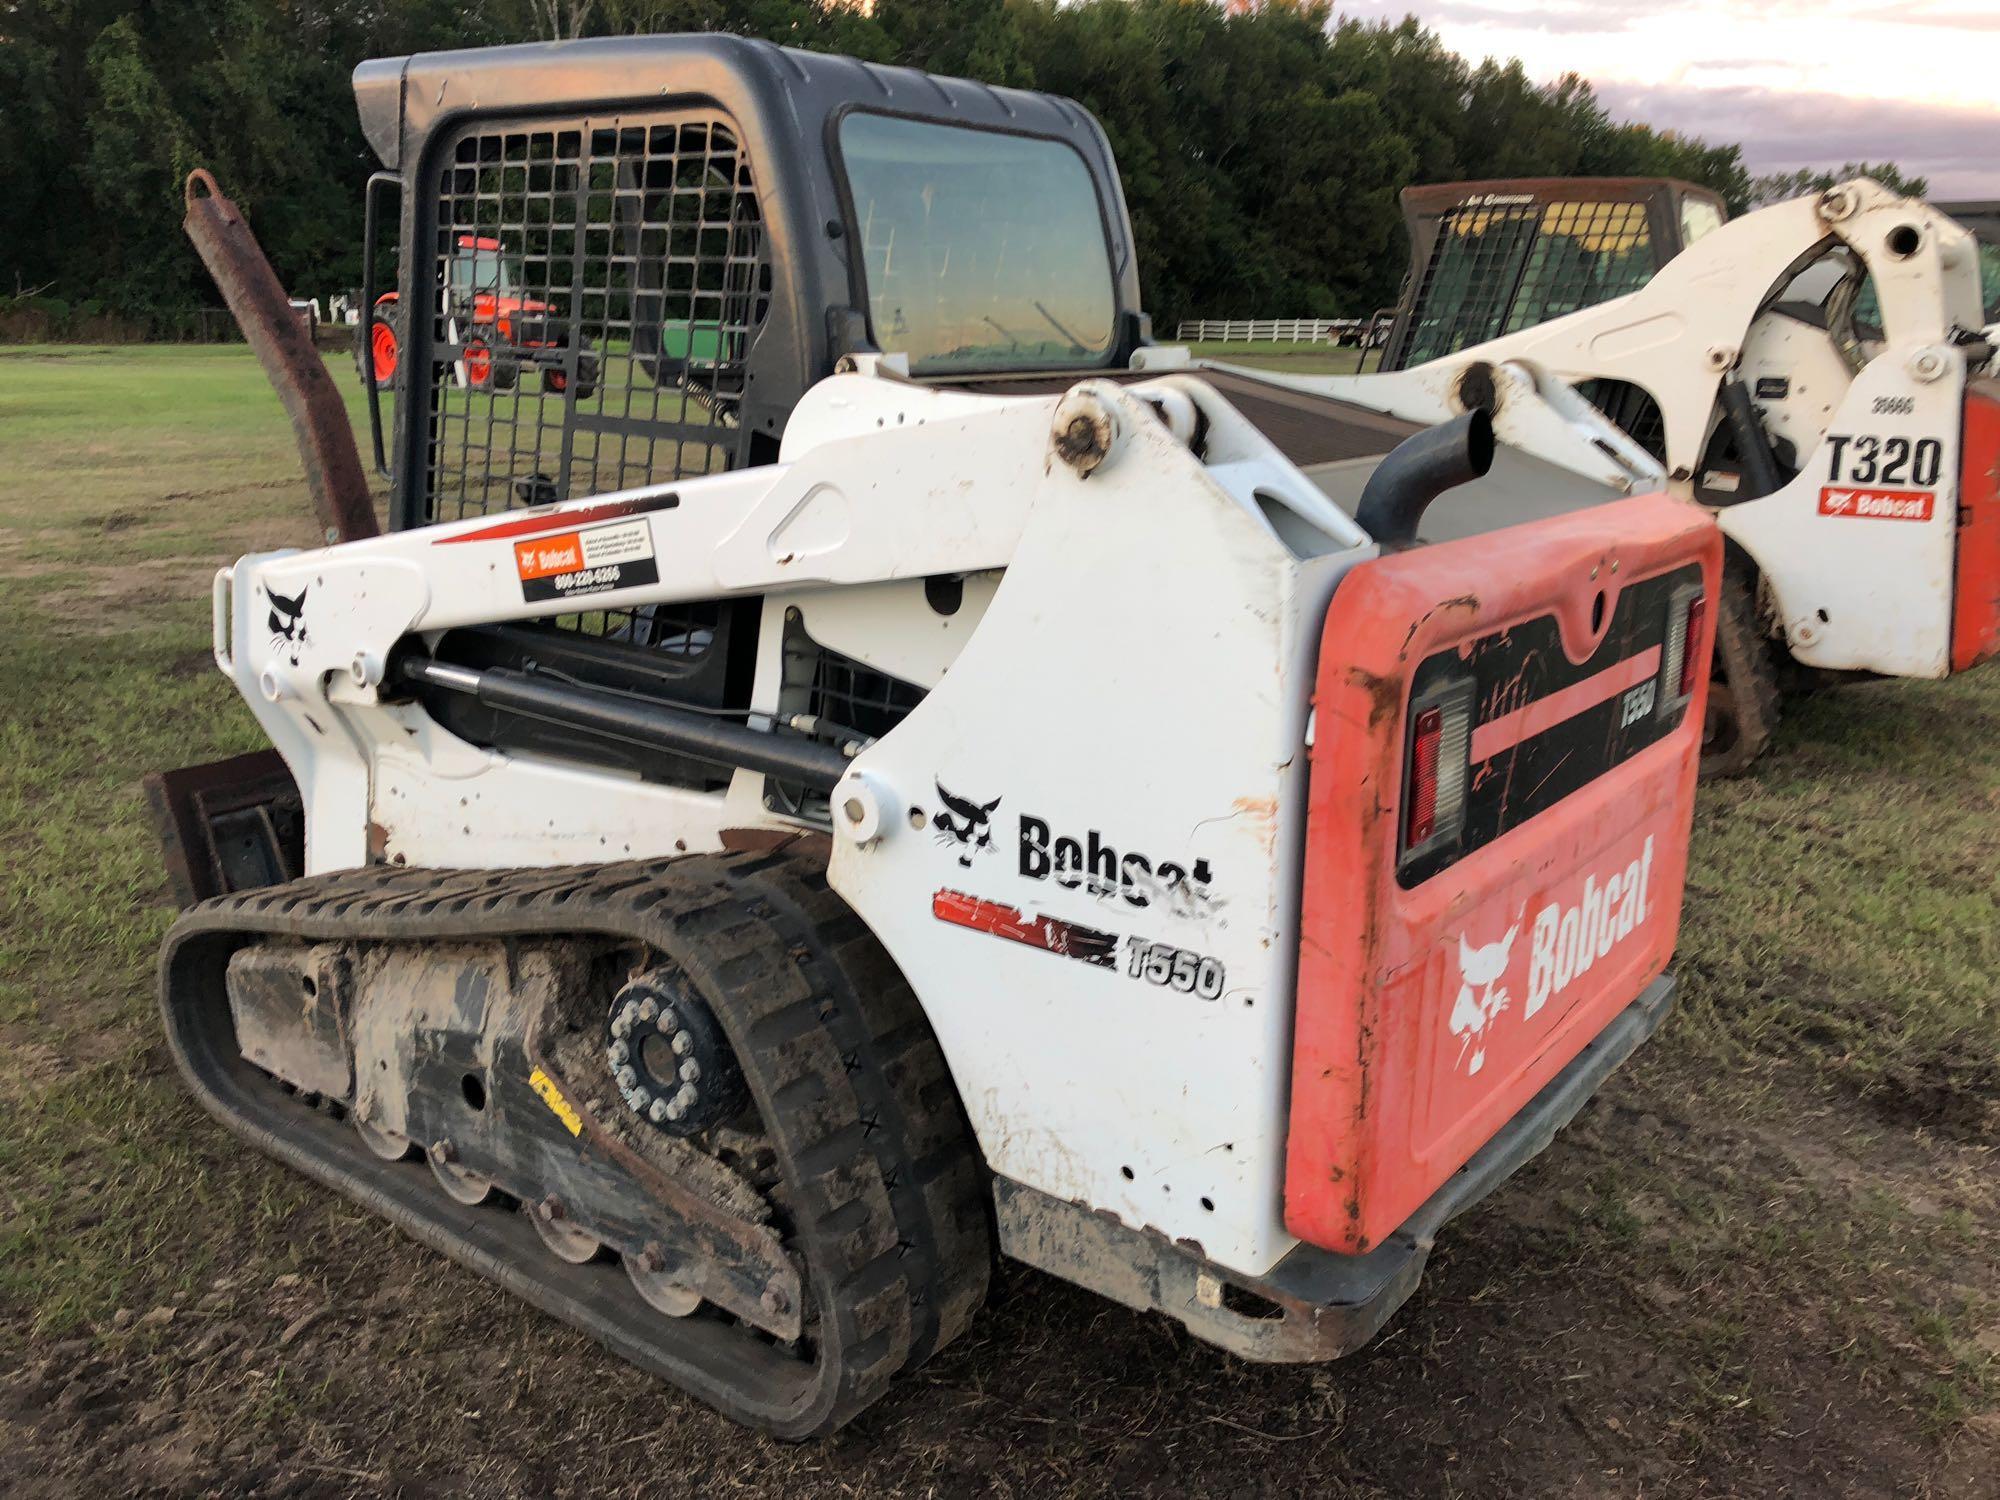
(1420, 469)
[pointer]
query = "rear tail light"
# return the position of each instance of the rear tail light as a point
(1434, 782)
(1690, 633)
(1422, 820)
(1680, 652)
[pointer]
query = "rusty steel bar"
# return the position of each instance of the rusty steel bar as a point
(292, 364)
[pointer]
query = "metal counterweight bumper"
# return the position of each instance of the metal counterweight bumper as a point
(1315, 1305)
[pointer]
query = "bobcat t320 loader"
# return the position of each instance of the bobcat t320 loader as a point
(1809, 372)
(1087, 844)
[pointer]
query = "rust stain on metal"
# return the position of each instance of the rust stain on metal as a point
(1385, 695)
(1476, 390)
(1263, 814)
(285, 349)
(1084, 440)
(766, 840)
(1467, 602)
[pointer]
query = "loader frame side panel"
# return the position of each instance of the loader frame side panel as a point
(1429, 1014)
(1975, 622)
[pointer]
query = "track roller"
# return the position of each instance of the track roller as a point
(818, 1199)
(659, 1288)
(566, 1241)
(390, 1145)
(461, 1184)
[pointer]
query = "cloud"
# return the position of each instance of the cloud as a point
(1556, 17)
(1581, 16)
(1954, 20)
(1944, 51)
(1957, 149)
(1796, 83)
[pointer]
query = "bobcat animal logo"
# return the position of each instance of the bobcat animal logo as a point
(1481, 997)
(963, 826)
(288, 624)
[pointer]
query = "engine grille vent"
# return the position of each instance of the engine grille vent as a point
(1630, 407)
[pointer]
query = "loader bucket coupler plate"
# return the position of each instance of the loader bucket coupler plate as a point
(229, 825)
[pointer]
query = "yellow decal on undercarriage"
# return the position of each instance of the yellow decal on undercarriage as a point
(544, 1085)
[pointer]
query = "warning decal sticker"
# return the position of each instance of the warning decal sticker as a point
(545, 1086)
(593, 560)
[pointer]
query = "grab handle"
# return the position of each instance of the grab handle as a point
(221, 598)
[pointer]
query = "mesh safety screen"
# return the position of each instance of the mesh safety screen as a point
(1496, 269)
(597, 284)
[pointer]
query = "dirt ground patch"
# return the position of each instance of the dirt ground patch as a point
(1604, 1327)
(1765, 1262)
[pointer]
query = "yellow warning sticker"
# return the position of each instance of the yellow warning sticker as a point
(544, 1085)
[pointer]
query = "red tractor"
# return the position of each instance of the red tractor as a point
(494, 327)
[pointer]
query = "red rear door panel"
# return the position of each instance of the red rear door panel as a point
(1975, 620)
(1435, 1001)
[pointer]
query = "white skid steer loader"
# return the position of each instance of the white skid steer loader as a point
(1809, 372)
(1091, 847)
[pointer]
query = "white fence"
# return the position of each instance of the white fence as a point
(1271, 330)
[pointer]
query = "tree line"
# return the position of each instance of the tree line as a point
(1262, 148)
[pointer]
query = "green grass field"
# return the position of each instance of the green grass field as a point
(1766, 1261)
(1297, 359)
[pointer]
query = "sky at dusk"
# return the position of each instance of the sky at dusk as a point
(1799, 83)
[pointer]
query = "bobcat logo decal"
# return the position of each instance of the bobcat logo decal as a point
(288, 624)
(1566, 941)
(1481, 997)
(963, 826)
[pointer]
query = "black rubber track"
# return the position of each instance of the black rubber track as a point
(884, 1185)
(1743, 679)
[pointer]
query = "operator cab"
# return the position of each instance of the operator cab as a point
(706, 227)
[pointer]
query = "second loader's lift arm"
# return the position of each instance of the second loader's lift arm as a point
(1840, 443)
(1707, 316)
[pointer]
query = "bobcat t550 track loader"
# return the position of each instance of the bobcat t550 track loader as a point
(1000, 821)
